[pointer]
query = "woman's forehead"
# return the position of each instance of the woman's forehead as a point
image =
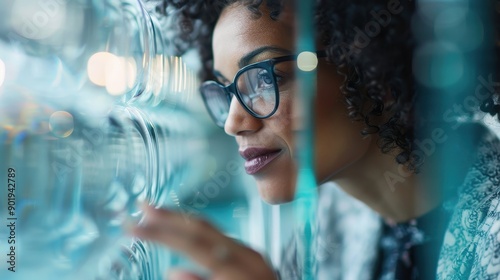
(238, 32)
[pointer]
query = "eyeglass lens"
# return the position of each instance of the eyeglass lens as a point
(257, 90)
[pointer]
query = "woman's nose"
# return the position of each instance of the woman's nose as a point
(239, 121)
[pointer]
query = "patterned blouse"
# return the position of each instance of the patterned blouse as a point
(410, 250)
(354, 243)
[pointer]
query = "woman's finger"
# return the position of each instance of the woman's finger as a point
(192, 237)
(204, 244)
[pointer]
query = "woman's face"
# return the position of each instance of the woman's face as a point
(268, 145)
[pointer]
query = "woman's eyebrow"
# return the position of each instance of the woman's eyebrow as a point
(247, 58)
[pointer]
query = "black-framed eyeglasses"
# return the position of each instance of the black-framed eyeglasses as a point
(256, 86)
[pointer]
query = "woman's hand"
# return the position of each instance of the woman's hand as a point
(200, 241)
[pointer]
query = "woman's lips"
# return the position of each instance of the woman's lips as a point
(258, 158)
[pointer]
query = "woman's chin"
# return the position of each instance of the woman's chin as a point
(276, 193)
(277, 200)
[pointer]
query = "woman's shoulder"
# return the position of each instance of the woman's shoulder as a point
(472, 239)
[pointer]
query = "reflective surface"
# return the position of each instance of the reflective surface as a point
(93, 119)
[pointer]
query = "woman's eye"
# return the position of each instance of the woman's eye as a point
(264, 78)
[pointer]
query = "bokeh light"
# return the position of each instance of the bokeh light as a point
(116, 74)
(96, 67)
(307, 61)
(61, 124)
(120, 75)
(438, 65)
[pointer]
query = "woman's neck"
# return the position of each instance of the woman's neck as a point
(389, 188)
(399, 194)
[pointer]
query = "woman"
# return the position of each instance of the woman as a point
(365, 118)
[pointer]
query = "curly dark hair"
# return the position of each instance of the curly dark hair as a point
(372, 74)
